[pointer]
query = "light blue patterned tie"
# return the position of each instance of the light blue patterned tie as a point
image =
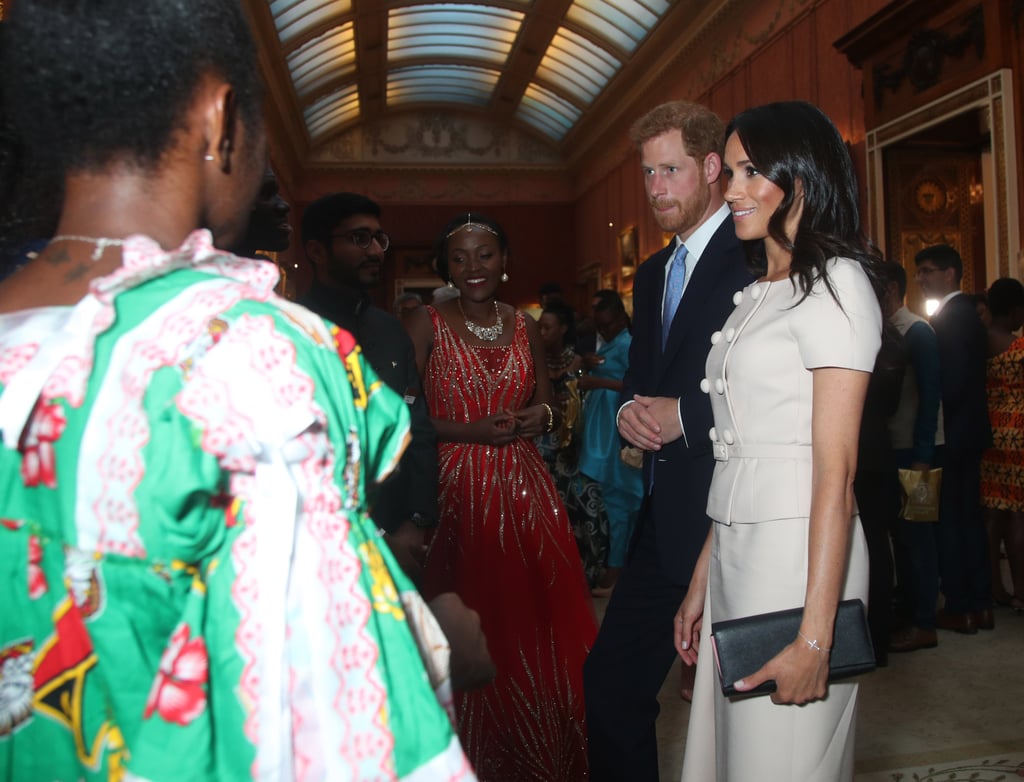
(673, 290)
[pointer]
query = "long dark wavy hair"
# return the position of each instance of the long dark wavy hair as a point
(793, 140)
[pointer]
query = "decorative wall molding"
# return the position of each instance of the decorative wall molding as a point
(928, 55)
(992, 95)
(436, 138)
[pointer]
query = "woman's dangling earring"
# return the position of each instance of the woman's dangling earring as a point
(451, 284)
(504, 277)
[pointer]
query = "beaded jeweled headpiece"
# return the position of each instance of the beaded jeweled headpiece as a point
(468, 226)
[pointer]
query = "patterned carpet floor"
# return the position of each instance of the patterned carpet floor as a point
(994, 768)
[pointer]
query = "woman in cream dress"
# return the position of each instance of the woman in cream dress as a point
(787, 376)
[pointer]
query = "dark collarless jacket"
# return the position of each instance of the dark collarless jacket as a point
(681, 470)
(411, 493)
(963, 351)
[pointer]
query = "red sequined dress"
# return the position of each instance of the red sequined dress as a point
(505, 545)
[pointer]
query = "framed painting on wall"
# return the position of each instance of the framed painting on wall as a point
(627, 251)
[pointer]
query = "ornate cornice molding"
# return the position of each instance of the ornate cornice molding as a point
(435, 139)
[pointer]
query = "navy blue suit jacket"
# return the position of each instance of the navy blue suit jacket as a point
(682, 469)
(963, 349)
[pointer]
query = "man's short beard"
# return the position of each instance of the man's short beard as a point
(690, 214)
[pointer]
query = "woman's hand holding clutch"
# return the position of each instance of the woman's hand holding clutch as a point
(800, 672)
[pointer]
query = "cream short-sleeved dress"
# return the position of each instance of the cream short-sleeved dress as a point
(760, 383)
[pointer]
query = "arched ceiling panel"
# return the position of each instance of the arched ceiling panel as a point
(622, 22)
(542, 63)
(451, 30)
(577, 65)
(441, 84)
(295, 18)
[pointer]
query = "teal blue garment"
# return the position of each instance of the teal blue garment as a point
(621, 485)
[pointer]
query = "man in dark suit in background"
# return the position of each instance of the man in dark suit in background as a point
(963, 348)
(681, 295)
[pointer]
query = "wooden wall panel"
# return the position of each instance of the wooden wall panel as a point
(770, 72)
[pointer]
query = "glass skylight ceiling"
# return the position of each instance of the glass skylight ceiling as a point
(444, 31)
(454, 53)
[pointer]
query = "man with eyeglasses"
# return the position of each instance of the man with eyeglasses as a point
(344, 242)
(963, 347)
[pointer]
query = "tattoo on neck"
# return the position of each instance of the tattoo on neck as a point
(58, 257)
(77, 273)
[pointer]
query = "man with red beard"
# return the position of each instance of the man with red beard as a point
(681, 295)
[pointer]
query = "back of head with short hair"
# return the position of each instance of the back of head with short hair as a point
(892, 272)
(1004, 296)
(320, 217)
(607, 299)
(702, 129)
(90, 83)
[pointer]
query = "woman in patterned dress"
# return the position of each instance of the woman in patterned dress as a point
(191, 586)
(503, 541)
(561, 448)
(1002, 465)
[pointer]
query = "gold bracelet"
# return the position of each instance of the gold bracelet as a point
(551, 417)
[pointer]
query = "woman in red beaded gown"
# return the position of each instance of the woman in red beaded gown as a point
(503, 542)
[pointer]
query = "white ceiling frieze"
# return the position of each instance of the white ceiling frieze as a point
(435, 138)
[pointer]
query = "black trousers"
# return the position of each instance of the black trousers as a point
(878, 500)
(628, 665)
(963, 544)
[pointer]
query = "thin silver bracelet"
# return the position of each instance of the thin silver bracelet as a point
(813, 644)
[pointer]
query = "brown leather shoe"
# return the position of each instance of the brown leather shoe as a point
(912, 638)
(958, 623)
(984, 619)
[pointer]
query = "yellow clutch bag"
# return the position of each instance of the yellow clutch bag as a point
(921, 490)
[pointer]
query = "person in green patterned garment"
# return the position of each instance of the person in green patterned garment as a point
(192, 587)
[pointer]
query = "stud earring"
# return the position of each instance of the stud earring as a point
(504, 277)
(208, 158)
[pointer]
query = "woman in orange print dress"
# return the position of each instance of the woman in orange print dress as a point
(503, 542)
(1002, 466)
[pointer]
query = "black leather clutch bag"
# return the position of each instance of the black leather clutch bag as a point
(742, 646)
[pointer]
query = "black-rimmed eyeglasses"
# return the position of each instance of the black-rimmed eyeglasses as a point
(361, 237)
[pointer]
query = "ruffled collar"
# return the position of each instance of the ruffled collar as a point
(143, 259)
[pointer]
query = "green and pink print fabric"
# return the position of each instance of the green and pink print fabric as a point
(192, 588)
